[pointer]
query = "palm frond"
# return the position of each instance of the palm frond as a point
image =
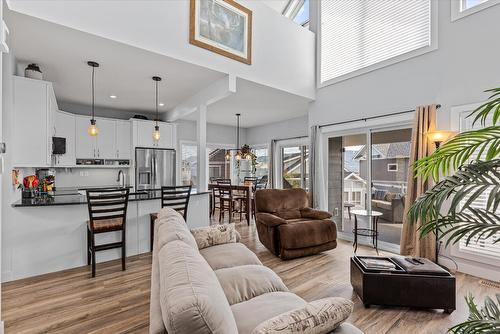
(484, 110)
(467, 184)
(459, 150)
(481, 320)
(471, 225)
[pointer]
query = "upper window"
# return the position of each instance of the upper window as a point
(359, 36)
(298, 11)
(462, 8)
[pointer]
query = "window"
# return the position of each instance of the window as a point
(359, 36)
(262, 167)
(298, 11)
(295, 167)
(392, 167)
(463, 8)
(483, 249)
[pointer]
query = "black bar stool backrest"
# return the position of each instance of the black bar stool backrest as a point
(176, 197)
(106, 203)
(261, 183)
(224, 188)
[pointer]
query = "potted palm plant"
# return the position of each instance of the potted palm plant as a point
(464, 168)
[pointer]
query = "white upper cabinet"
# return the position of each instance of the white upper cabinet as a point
(85, 145)
(33, 103)
(123, 139)
(143, 134)
(106, 146)
(65, 127)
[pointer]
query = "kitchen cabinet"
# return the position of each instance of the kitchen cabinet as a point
(85, 145)
(34, 104)
(64, 126)
(105, 141)
(123, 139)
(143, 132)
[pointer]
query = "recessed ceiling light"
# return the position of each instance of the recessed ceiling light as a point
(161, 104)
(113, 96)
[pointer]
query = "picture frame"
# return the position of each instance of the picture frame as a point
(223, 27)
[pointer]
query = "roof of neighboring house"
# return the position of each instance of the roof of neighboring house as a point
(386, 151)
(354, 177)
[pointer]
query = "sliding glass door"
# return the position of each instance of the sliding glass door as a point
(368, 169)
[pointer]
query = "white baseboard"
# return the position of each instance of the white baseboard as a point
(473, 269)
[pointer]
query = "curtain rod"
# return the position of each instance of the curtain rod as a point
(297, 137)
(373, 117)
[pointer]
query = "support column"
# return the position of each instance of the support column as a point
(201, 139)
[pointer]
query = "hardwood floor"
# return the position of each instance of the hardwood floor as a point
(118, 302)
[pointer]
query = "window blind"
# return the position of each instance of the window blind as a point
(356, 34)
(481, 246)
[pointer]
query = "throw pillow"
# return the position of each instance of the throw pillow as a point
(318, 317)
(214, 235)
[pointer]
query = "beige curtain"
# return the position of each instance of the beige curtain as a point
(411, 243)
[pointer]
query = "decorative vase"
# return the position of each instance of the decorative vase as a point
(32, 71)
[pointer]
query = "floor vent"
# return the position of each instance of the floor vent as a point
(490, 284)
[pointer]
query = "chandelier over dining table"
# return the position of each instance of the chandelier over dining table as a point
(244, 152)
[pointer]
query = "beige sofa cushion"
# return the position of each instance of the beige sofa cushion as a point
(192, 300)
(229, 255)
(214, 235)
(171, 226)
(251, 313)
(318, 317)
(246, 282)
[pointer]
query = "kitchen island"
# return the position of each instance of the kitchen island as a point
(48, 233)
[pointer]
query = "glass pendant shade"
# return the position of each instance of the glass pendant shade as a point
(238, 155)
(156, 134)
(92, 129)
(227, 156)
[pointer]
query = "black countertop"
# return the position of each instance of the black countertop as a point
(71, 196)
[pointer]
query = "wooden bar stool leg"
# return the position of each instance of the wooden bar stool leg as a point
(151, 231)
(124, 250)
(88, 247)
(92, 245)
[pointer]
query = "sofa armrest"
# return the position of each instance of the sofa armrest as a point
(314, 214)
(269, 219)
(319, 316)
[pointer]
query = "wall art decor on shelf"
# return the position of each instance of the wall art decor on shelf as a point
(223, 27)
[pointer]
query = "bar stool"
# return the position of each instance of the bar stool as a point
(175, 197)
(107, 213)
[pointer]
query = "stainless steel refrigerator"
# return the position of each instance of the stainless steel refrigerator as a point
(154, 168)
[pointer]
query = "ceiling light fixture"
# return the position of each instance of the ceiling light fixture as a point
(245, 152)
(156, 132)
(161, 104)
(113, 96)
(93, 130)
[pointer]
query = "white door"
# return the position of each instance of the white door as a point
(85, 145)
(123, 139)
(106, 146)
(65, 128)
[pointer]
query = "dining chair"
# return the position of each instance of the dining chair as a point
(175, 197)
(224, 193)
(107, 213)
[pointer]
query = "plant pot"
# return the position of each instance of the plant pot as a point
(32, 71)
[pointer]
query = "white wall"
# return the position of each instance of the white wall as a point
(282, 51)
(465, 64)
(281, 130)
(216, 133)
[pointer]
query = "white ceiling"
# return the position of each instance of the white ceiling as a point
(257, 104)
(277, 5)
(125, 71)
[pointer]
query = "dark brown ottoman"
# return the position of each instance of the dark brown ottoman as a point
(400, 287)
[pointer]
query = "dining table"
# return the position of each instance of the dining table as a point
(246, 189)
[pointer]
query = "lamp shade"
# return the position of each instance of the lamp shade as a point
(439, 136)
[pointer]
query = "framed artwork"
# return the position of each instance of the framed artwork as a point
(223, 27)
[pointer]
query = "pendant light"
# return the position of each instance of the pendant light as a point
(241, 153)
(93, 130)
(156, 132)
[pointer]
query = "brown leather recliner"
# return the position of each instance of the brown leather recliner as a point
(288, 227)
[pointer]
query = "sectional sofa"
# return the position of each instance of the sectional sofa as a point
(225, 289)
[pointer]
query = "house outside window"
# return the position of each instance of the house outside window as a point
(463, 8)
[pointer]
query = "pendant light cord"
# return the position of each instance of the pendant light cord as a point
(156, 102)
(93, 102)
